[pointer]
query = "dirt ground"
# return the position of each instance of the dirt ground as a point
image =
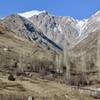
(41, 89)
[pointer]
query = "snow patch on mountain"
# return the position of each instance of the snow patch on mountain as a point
(81, 24)
(60, 29)
(31, 13)
(98, 19)
(97, 13)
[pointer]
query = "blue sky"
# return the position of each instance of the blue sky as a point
(79, 9)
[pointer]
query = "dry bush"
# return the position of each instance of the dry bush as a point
(11, 77)
(79, 80)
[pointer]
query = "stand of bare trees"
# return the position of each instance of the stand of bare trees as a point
(67, 64)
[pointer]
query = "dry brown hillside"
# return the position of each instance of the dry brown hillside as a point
(16, 52)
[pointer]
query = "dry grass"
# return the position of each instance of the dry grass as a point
(11, 86)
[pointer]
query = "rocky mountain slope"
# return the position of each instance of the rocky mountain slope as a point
(24, 28)
(59, 29)
(62, 29)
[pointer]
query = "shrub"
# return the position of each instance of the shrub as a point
(11, 77)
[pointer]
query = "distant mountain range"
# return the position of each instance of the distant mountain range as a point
(62, 30)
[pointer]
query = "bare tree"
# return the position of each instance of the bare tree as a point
(67, 64)
(98, 56)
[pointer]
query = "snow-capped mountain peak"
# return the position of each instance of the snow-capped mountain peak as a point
(31, 13)
(97, 13)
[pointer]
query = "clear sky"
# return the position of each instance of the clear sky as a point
(79, 9)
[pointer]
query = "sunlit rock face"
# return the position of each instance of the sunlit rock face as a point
(61, 30)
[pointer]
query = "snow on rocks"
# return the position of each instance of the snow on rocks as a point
(31, 13)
